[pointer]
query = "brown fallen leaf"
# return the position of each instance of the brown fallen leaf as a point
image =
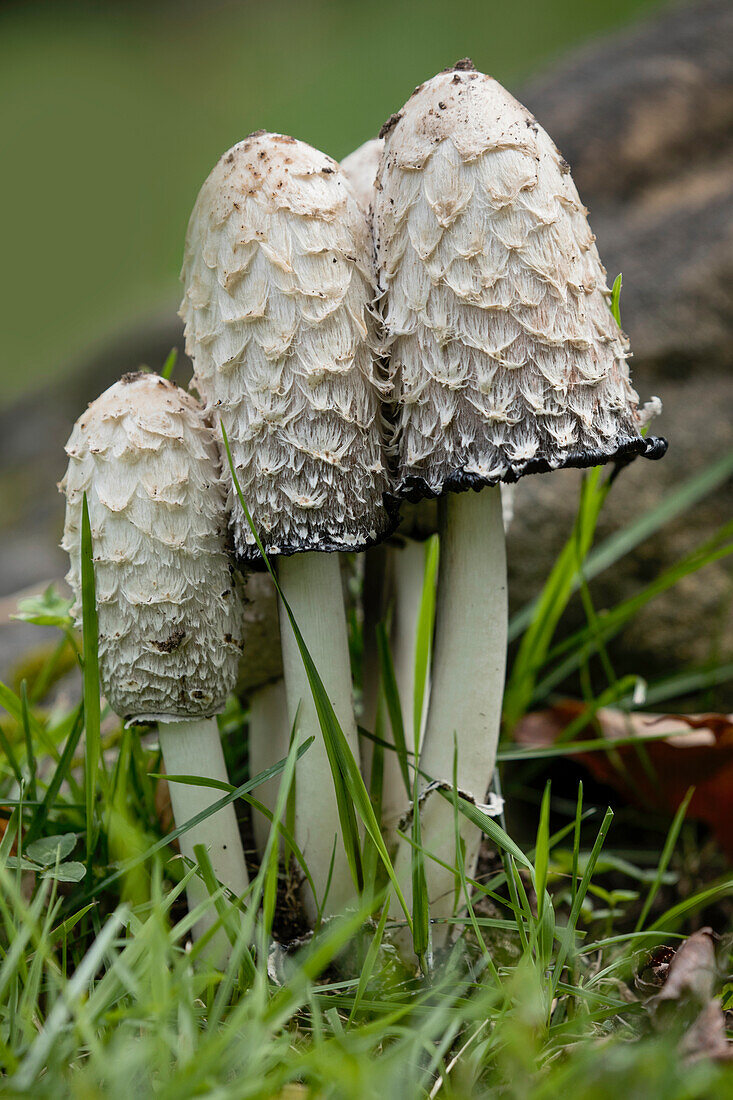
(707, 1037)
(697, 751)
(686, 1001)
(692, 972)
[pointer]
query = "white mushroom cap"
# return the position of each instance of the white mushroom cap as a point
(278, 275)
(505, 357)
(170, 609)
(361, 167)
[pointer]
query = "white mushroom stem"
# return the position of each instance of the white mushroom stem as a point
(468, 668)
(193, 747)
(269, 741)
(374, 598)
(407, 569)
(311, 583)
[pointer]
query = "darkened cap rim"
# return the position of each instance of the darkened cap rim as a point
(414, 488)
(252, 560)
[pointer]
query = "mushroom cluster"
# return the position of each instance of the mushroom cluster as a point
(379, 347)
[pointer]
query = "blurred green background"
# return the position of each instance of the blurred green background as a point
(112, 114)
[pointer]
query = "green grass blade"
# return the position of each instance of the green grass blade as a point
(170, 363)
(392, 700)
(369, 963)
(542, 850)
(583, 643)
(90, 641)
(61, 773)
(424, 638)
(553, 600)
(582, 890)
(622, 542)
(669, 846)
(7, 748)
(615, 303)
(576, 840)
(29, 753)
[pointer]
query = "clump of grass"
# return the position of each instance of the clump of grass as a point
(103, 994)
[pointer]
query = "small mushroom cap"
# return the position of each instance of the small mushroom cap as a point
(278, 276)
(169, 607)
(505, 357)
(361, 167)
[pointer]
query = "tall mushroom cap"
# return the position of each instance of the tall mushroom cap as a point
(278, 276)
(505, 357)
(360, 169)
(170, 609)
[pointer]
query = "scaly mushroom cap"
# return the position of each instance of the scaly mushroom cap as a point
(170, 610)
(360, 169)
(505, 357)
(278, 276)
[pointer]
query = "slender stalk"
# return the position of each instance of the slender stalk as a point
(193, 747)
(376, 590)
(269, 741)
(311, 583)
(407, 569)
(468, 669)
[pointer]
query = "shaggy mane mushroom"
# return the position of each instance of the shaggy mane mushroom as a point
(169, 608)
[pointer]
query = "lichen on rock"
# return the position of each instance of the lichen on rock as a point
(169, 606)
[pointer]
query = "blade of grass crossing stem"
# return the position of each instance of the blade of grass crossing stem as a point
(420, 902)
(423, 651)
(265, 882)
(488, 825)
(392, 700)
(669, 846)
(273, 770)
(90, 639)
(424, 637)
(220, 785)
(351, 793)
(464, 890)
(569, 931)
(163, 842)
(227, 914)
(553, 600)
(370, 856)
